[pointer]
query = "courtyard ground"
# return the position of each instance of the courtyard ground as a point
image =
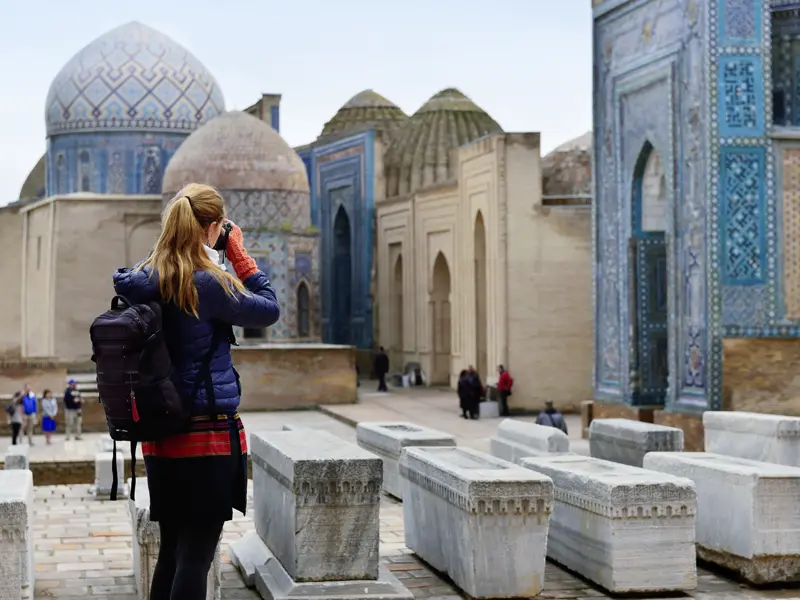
(83, 547)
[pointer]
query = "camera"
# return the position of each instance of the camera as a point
(222, 240)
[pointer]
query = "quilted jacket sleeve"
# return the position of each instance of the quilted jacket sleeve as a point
(256, 309)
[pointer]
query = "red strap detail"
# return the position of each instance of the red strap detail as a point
(134, 409)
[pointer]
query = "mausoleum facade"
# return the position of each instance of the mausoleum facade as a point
(696, 162)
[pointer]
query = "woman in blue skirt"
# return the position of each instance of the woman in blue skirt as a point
(49, 412)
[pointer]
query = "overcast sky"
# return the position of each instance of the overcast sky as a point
(526, 62)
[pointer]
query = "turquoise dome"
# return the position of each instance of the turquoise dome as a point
(133, 78)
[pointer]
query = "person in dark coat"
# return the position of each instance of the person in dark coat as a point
(464, 394)
(476, 392)
(380, 365)
(197, 478)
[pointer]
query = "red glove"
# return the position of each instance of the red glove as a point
(242, 264)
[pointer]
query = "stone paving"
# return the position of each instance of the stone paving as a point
(83, 549)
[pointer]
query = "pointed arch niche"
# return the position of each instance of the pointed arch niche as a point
(303, 311)
(648, 279)
(397, 347)
(342, 280)
(481, 337)
(440, 319)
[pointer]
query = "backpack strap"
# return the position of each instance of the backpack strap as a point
(204, 374)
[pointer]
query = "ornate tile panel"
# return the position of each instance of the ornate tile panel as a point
(741, 96)
(791, 231)
(740, 22)
(743, 214)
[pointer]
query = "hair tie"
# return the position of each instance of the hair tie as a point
(189, 199)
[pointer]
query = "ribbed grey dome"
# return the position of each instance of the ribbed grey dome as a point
(419, 154)
(236, 151)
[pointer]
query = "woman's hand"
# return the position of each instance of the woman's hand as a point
(242, 264)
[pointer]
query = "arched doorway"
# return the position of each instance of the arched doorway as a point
(440, 321)
(649, 285)
(479, 248)
(303, 311)
(397, 349)
(341, 282)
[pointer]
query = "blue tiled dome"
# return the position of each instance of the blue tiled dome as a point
(132, 78)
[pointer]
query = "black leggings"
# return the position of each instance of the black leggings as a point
(184, 558)
(15, 428)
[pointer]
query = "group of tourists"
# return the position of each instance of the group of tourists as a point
(471, 391)
(23, 411)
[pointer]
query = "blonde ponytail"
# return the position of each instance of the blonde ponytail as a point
(179, 251)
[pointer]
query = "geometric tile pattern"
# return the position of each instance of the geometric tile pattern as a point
(743, 215)
(269, 209)
(744, 304)
(791, 231)
(132, 78)
(739, 96)
(740, 20)
(128, 162)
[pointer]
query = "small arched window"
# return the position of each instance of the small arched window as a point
(85, 170)
(303, 311)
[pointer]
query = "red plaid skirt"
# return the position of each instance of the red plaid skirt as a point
(199, 474)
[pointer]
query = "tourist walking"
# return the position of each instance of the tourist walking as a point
(197, 478)
(30, 413)
(49, 412)
(504, 384)
(73, 410)
(14, 412)
(550, 417)
(380, 365)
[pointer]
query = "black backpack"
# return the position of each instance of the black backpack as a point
(134, 380)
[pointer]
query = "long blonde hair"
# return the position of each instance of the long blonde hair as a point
(179, 251)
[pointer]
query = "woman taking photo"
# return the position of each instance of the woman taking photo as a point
(197, 478)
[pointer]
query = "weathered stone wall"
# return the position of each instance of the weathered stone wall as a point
(549, 291)
(761, 375)
(289, 376)
(11, 267)
(95, 237)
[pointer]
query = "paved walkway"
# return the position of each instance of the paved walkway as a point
(83, 549)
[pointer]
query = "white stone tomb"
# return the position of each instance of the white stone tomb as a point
(755, 436)
(628, 529)
(146, 541)
(17, 457)
(480, 519)
(387, 440)
(516, 440)
(16, 535)
(748, 512)
(626, 441)
(316, 513)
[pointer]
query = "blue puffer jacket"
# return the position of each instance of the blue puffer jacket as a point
(189, 338)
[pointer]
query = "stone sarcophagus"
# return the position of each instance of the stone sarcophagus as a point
(387, 440)
(16, 536)
(628, 529)
(516, 440)
(480, 519)
(747, 512)
(146, 542)
(316, 513)
(17, 457)
(754, 436)
(626, 441)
